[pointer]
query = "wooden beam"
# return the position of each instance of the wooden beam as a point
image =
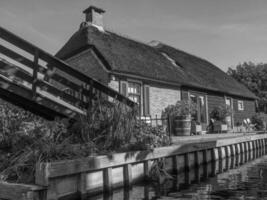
(47, 106)
(107, 179)
(127, 175)
(59, 64)
(35, 74)
(14, 191)
(22, 76)
(18, 58)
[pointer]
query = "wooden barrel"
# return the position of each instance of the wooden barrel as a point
(182, 125)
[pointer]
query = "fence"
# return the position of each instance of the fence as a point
(165, 123)
(30, 77)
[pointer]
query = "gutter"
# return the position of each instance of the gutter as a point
(175, 84)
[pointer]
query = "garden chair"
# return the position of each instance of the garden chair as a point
(249, 126)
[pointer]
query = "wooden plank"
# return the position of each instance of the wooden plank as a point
(12, 69)
(54, 105)
(186, 162)
(82, 184)
(12, 191)
(21, 75)
(127, 175)
(107, 179)
(47, 72)
(66, 82)
(59, 64)
(196, 158)
(62, 168)
(19, 58)
(9, 70)
(146, 169)
(13, 86)
(42, 173)
(35, 73)
(175, 164)
(220, 153)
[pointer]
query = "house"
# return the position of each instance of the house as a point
(154, 75)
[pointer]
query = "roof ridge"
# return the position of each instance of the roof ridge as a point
(125, 36)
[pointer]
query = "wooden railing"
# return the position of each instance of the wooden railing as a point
(46, 77)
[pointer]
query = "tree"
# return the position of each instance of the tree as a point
(254, 77)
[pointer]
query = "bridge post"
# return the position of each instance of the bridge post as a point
(35, 74)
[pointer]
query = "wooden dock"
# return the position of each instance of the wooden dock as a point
(92, 175)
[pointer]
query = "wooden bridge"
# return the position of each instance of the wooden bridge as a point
(43, 84)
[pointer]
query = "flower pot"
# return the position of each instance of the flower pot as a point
(182, 125)
(219, 127)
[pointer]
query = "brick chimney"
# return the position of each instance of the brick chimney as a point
(94, 16)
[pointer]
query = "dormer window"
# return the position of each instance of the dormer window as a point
(171, 60)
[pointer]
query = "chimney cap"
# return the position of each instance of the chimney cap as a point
(90, 8)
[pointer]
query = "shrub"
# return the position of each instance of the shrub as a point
(179, 109)
(258, 121)
(107, 127)
(149, 137)
(13, 119)
(220, 113)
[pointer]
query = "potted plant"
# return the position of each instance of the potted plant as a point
(218, 116)
(180, 115)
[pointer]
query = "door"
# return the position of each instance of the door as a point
(200, 115)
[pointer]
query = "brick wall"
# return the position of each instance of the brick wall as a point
(161, 98)
(249, 110)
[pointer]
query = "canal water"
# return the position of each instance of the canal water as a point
(240, 177)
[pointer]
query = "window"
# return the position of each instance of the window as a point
(138, 93)
(228, 102)
(134, 93)
(240, 105)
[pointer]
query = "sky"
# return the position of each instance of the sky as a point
(225, 32)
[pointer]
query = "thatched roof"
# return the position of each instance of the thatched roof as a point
(160, 62)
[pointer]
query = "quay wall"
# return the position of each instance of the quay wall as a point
(92, 175)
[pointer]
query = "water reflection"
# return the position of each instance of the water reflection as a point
(240, 177)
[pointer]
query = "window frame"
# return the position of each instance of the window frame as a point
(240, 105)
(139, 95)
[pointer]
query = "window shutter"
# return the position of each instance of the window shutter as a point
(146, 101)
(123, 88)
